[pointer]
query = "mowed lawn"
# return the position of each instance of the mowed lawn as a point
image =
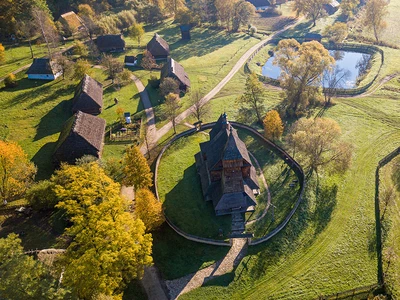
(328, 245)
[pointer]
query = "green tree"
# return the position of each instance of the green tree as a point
(136, 31)
(16, 171)
(41, 195)
(109, 246)
(2, 54)
(81, 49)
(65, 65)
(148, 209)
(273, 127)
(22, 277)
(254, 95)
(10, 81)
(311, 9)
(199, 109)
(375, 12)
(113, 66)
(137, 171)
(81, 67)
(302, 67)
(169, 85)
(317, 141)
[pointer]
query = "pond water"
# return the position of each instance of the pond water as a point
(353, 63)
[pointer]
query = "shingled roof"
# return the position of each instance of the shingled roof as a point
(227, 175)
(176, 71)
(72, 19)
(158, 47)
(43, 66)
(88, 96)
(259, 3)
(110, 42)
(82, 135)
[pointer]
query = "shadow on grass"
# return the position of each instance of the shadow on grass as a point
(299, 31)
(54, 120)
(43, 161)
(176, 256)
(325, 205)
(186, 208)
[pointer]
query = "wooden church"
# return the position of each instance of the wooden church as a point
(228, 178)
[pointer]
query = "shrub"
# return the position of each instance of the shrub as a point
(10, 81)
(252, 30)
(41, 195)
(154, 82)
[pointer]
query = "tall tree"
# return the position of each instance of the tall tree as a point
(171, 108)
(317, 141)
(334, 79)
(224, 10)
(112, 66)
(348, 7)
(254, 95)
(242, 13)
(169, 85)
(375, 12)
(22, 277)
(148, 209)
(109, 246)
(16, 171)
(337, 32)
(136, 31)
(148, 62)
(65, 64)
(198, 108)
(137, 171)
(273, 127)
(302, 67)
(80, 68)
(311, 9)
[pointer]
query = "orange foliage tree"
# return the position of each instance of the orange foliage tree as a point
(16, 171)
(148, 209)
(273, 127)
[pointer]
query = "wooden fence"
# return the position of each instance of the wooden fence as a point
(355, 293)
(278, 150)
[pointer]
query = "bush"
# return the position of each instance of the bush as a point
(252, 30)
(154, 82)
(10, 81)
(169, 85)
(41, 196)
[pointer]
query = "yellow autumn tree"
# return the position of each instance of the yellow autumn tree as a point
(137, 171)
(16, 171)
(109, 245)
(2, 54)
(148, 209)
(273, 127)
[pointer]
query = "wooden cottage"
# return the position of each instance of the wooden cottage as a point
(312, 37)
(332, 7)
(228, 178)
(110, 43)
(82, 134)
(158, 47)
(88, 96)
(72, 21)
(44, 69)
(175, 70)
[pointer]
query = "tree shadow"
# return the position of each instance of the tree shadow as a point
(43, 161)
(187, 209)
(325, 204)
(298, 31)
(54, 120)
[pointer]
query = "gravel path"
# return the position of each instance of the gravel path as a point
(190, 282)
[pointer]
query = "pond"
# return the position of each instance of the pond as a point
(350, 64)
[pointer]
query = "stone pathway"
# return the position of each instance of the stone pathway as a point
(152, 284)
(190, 282)
(238, 226)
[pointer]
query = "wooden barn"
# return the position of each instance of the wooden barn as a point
(158, 47)
(110, 43)
(175, 70)
(82, 134)
(88, 96)
(72, 21)
(44, 69)
(228, 178)
(332, 7)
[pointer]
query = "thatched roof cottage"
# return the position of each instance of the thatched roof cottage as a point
(175, 70)
(44, 69)
(158, 47)
(88, 96)
(228, 178)
(110, 43)
(72, 21)
(82, 134)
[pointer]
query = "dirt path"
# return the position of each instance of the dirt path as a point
(167, 127)
(376, 87)
(190, 282)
